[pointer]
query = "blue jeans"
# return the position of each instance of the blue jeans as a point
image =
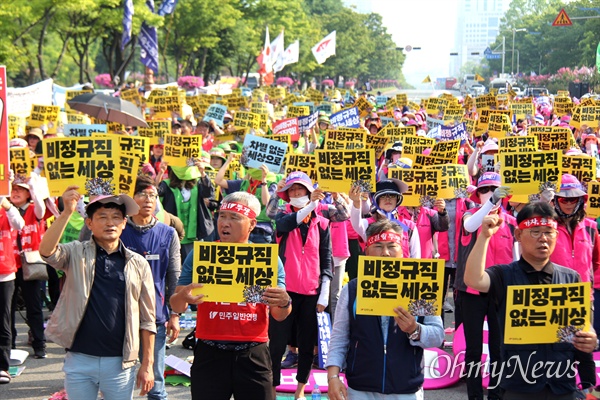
(158, 392)
(85, 375)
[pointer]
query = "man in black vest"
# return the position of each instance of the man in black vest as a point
(538, 378)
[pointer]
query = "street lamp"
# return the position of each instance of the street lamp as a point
(512, 57)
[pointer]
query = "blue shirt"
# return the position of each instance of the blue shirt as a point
(102, 329)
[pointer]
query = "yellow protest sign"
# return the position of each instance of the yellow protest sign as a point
(563, 93)
(237, 135)
(237, 102)
(522, 110)
(563, 106)
(531, 172)
(156, 131)
(78, 119)
(44, 115)
(289, 100)
(246, 119)
(413, 145)
(363, 106)
(468, 102)
(385, 283)
(179, 149)
(283, 138)
(377, 143)
(343, 139)
(413, 106)
(484, 119)
(436, 105)
(132, 95)
(590, 116)
(337, 170)
(236, 170)
(583, 167)
(198, 105)
(423, 184)
(72, 160)
(259, 107)
(453, 180)
(447, 149)
(234, 272)
(16, 126)
(20, 161)
(114, 127)
(515, 144)
(486, 101)
(470, 125)
(552, 137)
(592, 209)
(537, 314)
(499, 125)
(166, 104)
(454, 113)
(301, 162)
(398, 132)
(588, 102)
(135, 145)
(401, 99)
(128, 171)
(423, 160)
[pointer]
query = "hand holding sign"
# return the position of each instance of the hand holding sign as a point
(585, 341)
(70, 198)
(405, 320)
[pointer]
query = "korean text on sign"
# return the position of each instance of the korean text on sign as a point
(230, 272)
(179, 149)
(531, 172)
(546, 313)
(337, 170)
(258, 151)
(385, 283)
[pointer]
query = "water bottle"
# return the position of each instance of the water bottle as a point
(187, 318)
(316, 393)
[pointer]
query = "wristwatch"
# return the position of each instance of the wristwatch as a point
(416, 334)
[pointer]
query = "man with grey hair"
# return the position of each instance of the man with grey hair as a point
(231, 356)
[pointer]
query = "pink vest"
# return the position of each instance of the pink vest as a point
(31, 234)
(339, 235)
(500, 248)
(302, 262)
(575, 251)
(424, 229)
(442, 237)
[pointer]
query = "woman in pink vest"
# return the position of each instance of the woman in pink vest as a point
(9, 219)
(577, 245)
(428, 221)
(304, 241)
(33, 210)
(472, 307)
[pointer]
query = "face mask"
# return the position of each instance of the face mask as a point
(591, 148)
(483, 198)
(299, 202)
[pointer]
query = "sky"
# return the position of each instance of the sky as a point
(429, 24)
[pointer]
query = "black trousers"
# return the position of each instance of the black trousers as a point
(218, 374)
(304, 314)
(352, 261)
(32, 295)
(6, 295)
(474, 310)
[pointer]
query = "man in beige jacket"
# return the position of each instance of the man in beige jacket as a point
(107, 303)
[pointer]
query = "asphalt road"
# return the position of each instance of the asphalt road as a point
(42, 378)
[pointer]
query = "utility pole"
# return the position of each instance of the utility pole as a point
(503, 52)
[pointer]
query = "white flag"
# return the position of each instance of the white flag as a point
(325, 48)
(277, 50)
(267, 59)
(292, 53)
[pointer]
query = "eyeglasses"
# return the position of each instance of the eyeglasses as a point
(567, 200)
(129, 129)
(389, 196)
(537, 234)
(144, 195)
(485, 189)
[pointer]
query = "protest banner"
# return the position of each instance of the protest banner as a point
(385, 283)
(69, 94)
(377, 143)
(81, 130)
(432, 123)
(576, 117)
(244, 119)
(499, 125)
(282, 138)
(381, 100)
(398, 132)
(424, 160)
(485, 101)
(363, 106)
(44, 115)
(297, 111)
(114, 127)
(453, 180)
(20, 161)
(470, 126)
(414, 145)
(583, 167)
(338, 170)
(563, 106)
(347, 117)
(78, 119)
(287, 126)
(324, 324)
(132, 95)
(180, 151)
(488, 163)
(531, 172)
(456, 132)
(522, 110)
(259, 107)
(234, 272)
(552, 137)
(423, 185)
(391, 104)
(436, 105)
(348, 140)
(4, 139)
(135, 145)
(447, 150)
(236, 102)
(259, 150)
(385, 114)
(315, 95)
(163, 105)
(290, 100)
(401, 99)
(453, 113)
(215, 112)
(592, 209)
(128, 171)
(18, 101)
(306, 123)
(301, 162)
(538, 314)
(72, 160)
(309, 104)
(413, 105)
(325, 107)
(515, 144)
(590, 116)
(155, 131)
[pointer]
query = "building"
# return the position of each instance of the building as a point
(478, 26)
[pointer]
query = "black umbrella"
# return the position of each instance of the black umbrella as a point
(108, 108)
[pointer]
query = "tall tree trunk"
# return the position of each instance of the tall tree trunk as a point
(60, 57)
(40, 54)
(202, 63)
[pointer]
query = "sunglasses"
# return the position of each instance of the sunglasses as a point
(567, 200)
(485, 189)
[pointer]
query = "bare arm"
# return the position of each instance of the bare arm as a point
(145, 375)
(220, 177)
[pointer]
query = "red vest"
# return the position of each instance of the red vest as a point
(7, 260)
(241, 322)
(31, 234)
